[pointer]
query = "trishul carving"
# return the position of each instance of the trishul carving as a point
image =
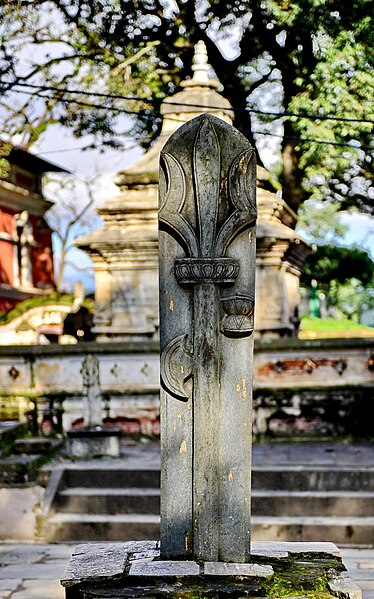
(205, 218)
(212, 235)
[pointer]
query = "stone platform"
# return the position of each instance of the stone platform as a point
(134, 569)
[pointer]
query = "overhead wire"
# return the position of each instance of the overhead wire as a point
(320, 117)
(133, 112)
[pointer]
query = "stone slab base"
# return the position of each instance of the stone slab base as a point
(101, 441)
(279, 570)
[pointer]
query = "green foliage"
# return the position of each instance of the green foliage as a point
(337, 263)
(34, 302)
(308, 56)
(4, 164)
(321, 222)
(341, 78)
(346, 277)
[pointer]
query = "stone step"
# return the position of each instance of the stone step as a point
(313, 478)
(312, 503)
(101, 527)
(132, 500)
(340, 530)
(266, 503)
(293, 478)
(104, 527)
(114, 476)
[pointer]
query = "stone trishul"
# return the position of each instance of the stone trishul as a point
(207, 267)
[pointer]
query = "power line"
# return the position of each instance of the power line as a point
(133, 112)
(299, 139)
(234, 109)
(85, 147)
(317, 141)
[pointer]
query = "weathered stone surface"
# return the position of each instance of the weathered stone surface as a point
(36, 445)
(207, 265)
(345, 588)
(305, 566)
(165, 568)
(19, 469)
(95, 562)
(92, 394)
(226, 569)
(282, 549)
(95, 442)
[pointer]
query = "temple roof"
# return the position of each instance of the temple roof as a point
(32, 163)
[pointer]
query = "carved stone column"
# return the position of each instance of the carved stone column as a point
(207, 269)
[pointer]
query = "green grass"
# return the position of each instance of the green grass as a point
(318, 328)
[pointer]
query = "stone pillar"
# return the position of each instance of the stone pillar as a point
(92, 396)
(207, 268)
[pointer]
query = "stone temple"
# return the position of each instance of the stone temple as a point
(125, 250)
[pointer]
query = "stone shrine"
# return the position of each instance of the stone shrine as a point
(93, 439)
(124, 251)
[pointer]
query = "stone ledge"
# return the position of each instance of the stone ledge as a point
(165, 568)
(226, 569)
(134, 569)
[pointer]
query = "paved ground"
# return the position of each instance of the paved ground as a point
(32, 571)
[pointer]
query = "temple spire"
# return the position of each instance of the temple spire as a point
(201, 68)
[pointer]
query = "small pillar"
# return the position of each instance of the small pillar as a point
(207, 270)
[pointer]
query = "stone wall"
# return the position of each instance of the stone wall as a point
(301, 388)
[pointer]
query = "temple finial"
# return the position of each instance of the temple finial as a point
(200, 64)
(201, 68)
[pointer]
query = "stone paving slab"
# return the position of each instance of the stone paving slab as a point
(40, 579)
(9, 584)
(33, 589)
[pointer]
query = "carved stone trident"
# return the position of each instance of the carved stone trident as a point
(207, 267)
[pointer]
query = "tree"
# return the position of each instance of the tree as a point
(344, 274)
(305, 56)
(340, 264)
(4, 164)
(69, 217)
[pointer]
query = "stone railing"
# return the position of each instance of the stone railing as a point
(300, 387)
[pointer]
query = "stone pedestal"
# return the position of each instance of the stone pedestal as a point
(134, 569)
(96, 442)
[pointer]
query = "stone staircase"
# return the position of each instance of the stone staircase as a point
(310, 503)
(112, 502)
(103, 501)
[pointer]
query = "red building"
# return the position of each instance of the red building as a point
(26, 258)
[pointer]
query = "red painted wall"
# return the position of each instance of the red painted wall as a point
(41, 255)
(6, 247)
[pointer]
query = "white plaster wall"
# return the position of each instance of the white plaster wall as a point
(18, 507)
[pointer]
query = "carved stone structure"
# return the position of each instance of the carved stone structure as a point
(93, 439)
(124, 251)
(93, 400)
(207, 269)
